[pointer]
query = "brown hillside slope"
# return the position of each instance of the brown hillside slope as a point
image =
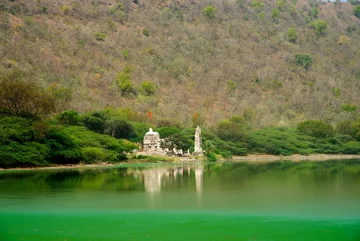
(239, 63)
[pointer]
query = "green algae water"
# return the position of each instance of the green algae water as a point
(226, 201)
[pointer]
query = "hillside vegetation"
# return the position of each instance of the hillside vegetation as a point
(276, 63)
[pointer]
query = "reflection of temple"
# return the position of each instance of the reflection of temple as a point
(157, 178)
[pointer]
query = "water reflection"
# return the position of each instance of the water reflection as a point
(157, 178)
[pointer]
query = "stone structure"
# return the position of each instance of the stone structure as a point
(152, 141)
(198, 142)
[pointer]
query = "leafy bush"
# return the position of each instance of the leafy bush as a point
(94, 121)
(168, 131)
(275, 14)
(93, 154)
(316, 129)
(315, 12)
(123, 81)
(100, 36)
(231, 130)
(320, 27)
(19, 97)
(23, 155)
(257, 5)
(209, 11)
(304, 60)
(278, 141)
(119, 128)
(357, 11)
(292, 34)
(147, 88)
(69, 117)
(145, 32)
(64, 149)
(15, 129)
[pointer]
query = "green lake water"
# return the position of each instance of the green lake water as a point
(227, 201)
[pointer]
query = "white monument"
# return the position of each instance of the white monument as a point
(198, 142)
(152, 141)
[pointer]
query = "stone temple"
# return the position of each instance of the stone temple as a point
(152, 141)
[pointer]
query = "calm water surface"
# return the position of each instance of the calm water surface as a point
(228, 201)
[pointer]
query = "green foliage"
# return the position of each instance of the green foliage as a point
(304, 60)
(292, 34)
(336, 92)
(64, 149)
(119, 128)
(316, 129)
(29, 154)
(85, 138)
(315, 12)
(275, 14)
(357, 11)
(211, 157)
(100, 36)
(168, 131)
(69, 117)
(15, 129)
(145, 32)
(123, 80)
(177, 141)
(231, 130)
(19, 97)
(230, 86)
(348, 108)
(278, 141)
(93, 154)
(209, 11)
(125, 53)
(147, 88)
(320, 27)
(94, 121)
(257, 5)
(281, 4)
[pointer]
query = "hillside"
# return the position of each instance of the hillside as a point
(238, 60)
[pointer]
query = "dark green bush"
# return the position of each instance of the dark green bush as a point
(168, 131)
(15, 129)
(94, 121)
(23, 155)
(69, 117)
(316, 129)
(304, 60)
(119, 129)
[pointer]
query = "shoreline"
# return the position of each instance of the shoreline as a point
(261, 158)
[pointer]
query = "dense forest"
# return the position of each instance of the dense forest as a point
(276, 77)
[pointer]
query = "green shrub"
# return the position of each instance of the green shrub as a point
(93, 154)
(211, 157)
(257, 5)
(177, 141)
(15, 129)
(119, 128)
(275, 14)
(209, 11)
(315, 12)
(320, 27)
(231, 130)
(168, 131)
(348, 108)
(292, 34)
(145, 32)
(147, 88)
(357, 11)
(100, 36)
(23, 155)
(304, 60)
(316, 129)
(69, 117)
(64, 149)
(94, 121)
(123, 81)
